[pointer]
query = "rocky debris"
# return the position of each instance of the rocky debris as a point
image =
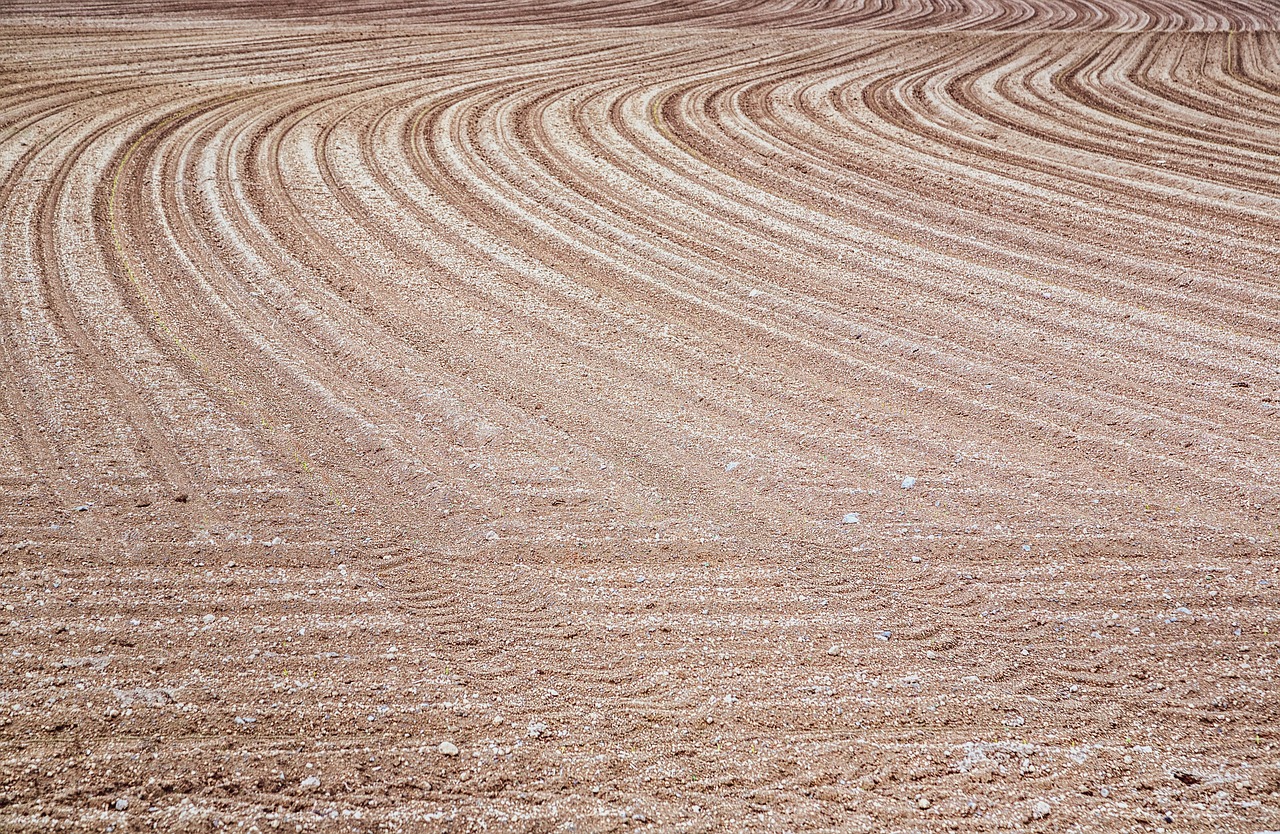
(145, 697)
(310, 783)
(1040, 810)
(95, 663)
(908, 482)
(122, 804)
(491, 536)
(537, 729)
(447, 748)
(851, 518)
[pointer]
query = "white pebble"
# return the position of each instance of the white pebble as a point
(851, 518)
(755, 293)
(310, 782)
(447, 748)
(731, 465)
(491, 535)
(908, 482)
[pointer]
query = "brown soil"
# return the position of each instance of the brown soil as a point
(501, 375)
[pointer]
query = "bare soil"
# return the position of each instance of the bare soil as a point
(640, 416)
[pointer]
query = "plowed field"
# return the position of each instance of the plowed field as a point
(639, 415)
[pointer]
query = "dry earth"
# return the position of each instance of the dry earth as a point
(507, 375)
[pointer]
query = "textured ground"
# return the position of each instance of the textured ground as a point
(506, 375)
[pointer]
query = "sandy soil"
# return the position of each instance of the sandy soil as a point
(581, 416)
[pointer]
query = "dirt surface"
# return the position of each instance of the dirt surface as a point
(553, 417)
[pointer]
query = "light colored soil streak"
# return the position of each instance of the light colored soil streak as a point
(377, 378)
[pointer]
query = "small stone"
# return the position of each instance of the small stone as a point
(491, 535)
(931, 655)
(731, 465)
(833, 651)
(83, 508)
(309, 783)
(923, 803)
(182, 498)
(208, 618)
(915, 558)
(755, 293)
(536, 729)
(122, 804)
(447, 748)
(908, 482)
(851, 518)
(1040, 810)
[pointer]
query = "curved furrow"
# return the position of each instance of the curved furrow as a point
(30, 460)
(478, 214)
(94, 371)
(1151, 294)
(171, 278)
